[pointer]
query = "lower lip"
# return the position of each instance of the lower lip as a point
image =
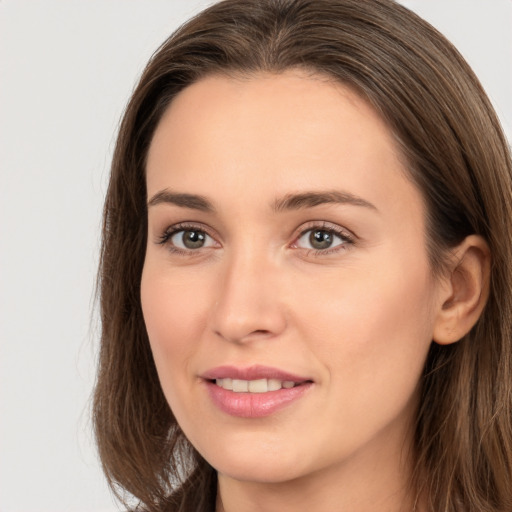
(254, 405)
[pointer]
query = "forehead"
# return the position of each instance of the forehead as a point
(273, 133)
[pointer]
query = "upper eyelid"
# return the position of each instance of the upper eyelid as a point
(340, 233)
(327, 226)
(186, 226)
(165, 235)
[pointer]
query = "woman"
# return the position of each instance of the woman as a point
(306, 270)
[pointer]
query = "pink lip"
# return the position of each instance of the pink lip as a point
(253, 405)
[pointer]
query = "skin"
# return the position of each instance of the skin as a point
(357, 318)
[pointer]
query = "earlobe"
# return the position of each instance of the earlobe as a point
(466, 291)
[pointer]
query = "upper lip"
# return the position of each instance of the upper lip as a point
(254, 372)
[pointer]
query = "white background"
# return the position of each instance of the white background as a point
(66, 71)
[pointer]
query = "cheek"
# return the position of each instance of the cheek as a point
(372, 333)
(175, 315)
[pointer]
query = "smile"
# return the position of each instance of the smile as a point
(253, 392)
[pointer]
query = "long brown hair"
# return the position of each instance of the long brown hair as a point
(456, 154)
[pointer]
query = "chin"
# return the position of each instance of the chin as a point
(259, 472)
(262, 462)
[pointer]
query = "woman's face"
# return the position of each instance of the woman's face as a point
(286, 247)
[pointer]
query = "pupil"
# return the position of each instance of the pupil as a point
(193, 239)
(320, 239)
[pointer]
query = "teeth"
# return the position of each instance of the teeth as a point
(240, 386)
(258, 386)
(274, 385)
(254, 386)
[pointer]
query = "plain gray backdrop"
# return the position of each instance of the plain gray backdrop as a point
(66, 71)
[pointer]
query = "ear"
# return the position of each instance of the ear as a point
(465, 292)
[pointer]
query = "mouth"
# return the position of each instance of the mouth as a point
(253, 392)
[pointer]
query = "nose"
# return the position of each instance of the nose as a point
(249, 305)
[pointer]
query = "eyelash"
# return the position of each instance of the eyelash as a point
(165, 238)
(346, 237)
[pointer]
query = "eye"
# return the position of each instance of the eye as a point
(184, 239)
(322, 239)
(190, 239)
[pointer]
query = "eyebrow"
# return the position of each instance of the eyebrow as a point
(299, 201)
(192, 201)
(314, 198)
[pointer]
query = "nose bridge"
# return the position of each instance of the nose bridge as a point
(248, 301)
